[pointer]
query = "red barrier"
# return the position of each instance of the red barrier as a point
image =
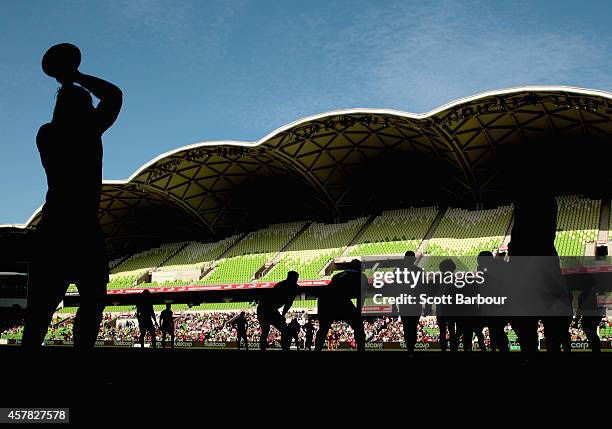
(203, 288)
(305, 283)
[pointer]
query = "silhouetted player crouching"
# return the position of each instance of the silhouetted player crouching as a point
(282, 295)
(335, 304)
(69, 243)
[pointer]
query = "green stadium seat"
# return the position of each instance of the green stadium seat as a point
(463, 234)
(577, 224)
(395, 231)
(314, 248)
(251, 253)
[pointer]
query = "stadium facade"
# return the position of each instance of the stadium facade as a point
(355, 162)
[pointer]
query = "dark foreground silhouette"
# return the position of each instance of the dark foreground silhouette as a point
(411, 314)
(166, 322)
(146, 319)
(69, 242)
(282, 295)
(335, 304)
(241, 325)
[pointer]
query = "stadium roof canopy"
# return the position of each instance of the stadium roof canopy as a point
(347, 163)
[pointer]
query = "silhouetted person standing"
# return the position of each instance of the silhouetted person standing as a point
(470, 323)
(166, 322)
(335, 304)
(309, 335)
(69, 243)
(411, 314)
(146, 319)
(496, 323)
(445, 313)
(294, 332)
(588, 313)
(281, 295)
(241, 325)
(533, 257)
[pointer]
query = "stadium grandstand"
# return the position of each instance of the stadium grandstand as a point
(266, 255)
(202, 223)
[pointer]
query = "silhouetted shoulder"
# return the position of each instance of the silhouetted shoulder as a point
(45, 133)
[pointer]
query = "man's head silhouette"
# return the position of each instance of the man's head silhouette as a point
(355, 264)
(447, 266)
(410, 257)
(168, 306)
(292, 276)
(61, 62)
(485, 258)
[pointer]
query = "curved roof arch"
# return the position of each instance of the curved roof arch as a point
(330, 155)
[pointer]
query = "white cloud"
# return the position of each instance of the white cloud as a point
(417, 56)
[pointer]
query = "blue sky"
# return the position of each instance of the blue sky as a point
(203, 70)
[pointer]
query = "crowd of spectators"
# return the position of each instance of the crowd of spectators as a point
(217, 327)
(11, 320)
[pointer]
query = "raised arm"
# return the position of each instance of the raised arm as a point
(110, 97)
